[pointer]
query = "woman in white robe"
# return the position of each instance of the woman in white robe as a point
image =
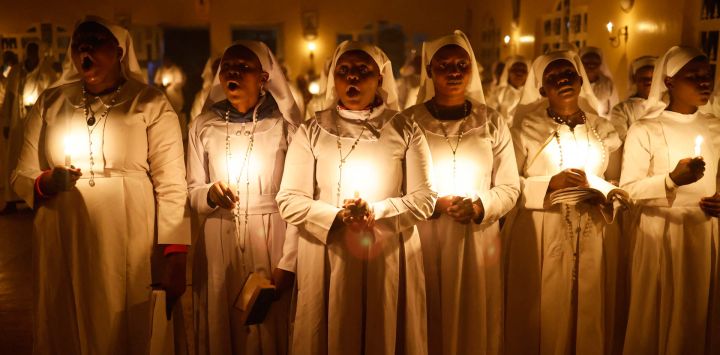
(26, 81)
(357, 181)
(510, 87)
(624, 114)
(208, 74)
(672, 176)
(249, 103)
(601, 79)
(461, 242)
(555, 256)
(102, 207)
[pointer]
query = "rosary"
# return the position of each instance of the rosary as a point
(343, 159)
(91, 121)
(447, 138)
(240, 237)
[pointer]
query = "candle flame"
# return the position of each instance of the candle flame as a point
(462, 184)
(166, 80)
(359, 180)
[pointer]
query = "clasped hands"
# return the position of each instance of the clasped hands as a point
(59, 179)
(461, 209)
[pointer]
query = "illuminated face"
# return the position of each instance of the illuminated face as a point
(643, 80)
(517, 75)
(561, 83)
(693, 84)
(241, 74)
(450, 70)
(592, 63)
(95, 53)
(357, 78)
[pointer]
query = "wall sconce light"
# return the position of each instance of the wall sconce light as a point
(617, 34)
(311, 46)
(507, 39)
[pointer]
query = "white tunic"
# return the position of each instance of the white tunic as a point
(221, 264)
(92, 245)
(540, 316)
(353, 298)
(625, 114)
(675, 297)
(462, 261)
(22, 90)
(505, 99)
(606, 93)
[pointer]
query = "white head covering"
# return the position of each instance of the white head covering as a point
(667, 66)
(603, 66)
(641, 62)
(128, 62)
(324, 74)
(531, 92)
(473, 91)
(506, 70)
(388, 90)
(276, 84)
(207, 73)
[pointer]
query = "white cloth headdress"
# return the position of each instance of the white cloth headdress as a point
(388, 90)
(531, 92)
(641, 62)
(276, 84)
(604, 69)
(473, 91)
(506, 70)
(667, 66)
(128, 62)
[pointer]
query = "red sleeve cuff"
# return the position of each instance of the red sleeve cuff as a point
(175, 248)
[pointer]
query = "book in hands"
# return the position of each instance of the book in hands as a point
(598, 191)
(255, 299)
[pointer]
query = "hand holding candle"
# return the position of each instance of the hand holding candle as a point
(69, 150)
(357, 214)
(688, 170)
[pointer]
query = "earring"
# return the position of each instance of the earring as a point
(262, 89)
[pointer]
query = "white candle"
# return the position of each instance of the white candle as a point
(68, 150)
(698, 143)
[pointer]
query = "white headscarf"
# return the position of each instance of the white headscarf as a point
(276, 84)
(388, 90)
(603, 66)
(128, 62)
(506, 70)
(667, 66)
(531, 92)
(641, 62)
(473, 91)
(207, 73)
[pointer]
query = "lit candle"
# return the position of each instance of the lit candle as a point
(30, 98)
(68, 150)
(698, 143)
(166, 80)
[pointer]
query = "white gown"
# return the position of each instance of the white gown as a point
(353, 298)
(220, 265)
(540, 244)
(625, 114)
(675, 297)
(606, 94)
(505, 100)
(92, 245)
(462, 262)
(22, 90)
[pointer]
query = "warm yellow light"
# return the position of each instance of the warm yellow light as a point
(506, 39)
(527, 39)
(29, 98)
(166, 80)
(359, 179)
(698, 143)
(314, 88)
(461, 184)
(238, 173)
(312, 46)
(70, 149)
(610, 27)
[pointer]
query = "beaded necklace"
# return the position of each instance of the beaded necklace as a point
(343, 159)
(447, 137)
(241, 237)
(91, 124)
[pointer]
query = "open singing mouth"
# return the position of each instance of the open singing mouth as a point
(87, 63)
(233, 85)
(352, 91)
